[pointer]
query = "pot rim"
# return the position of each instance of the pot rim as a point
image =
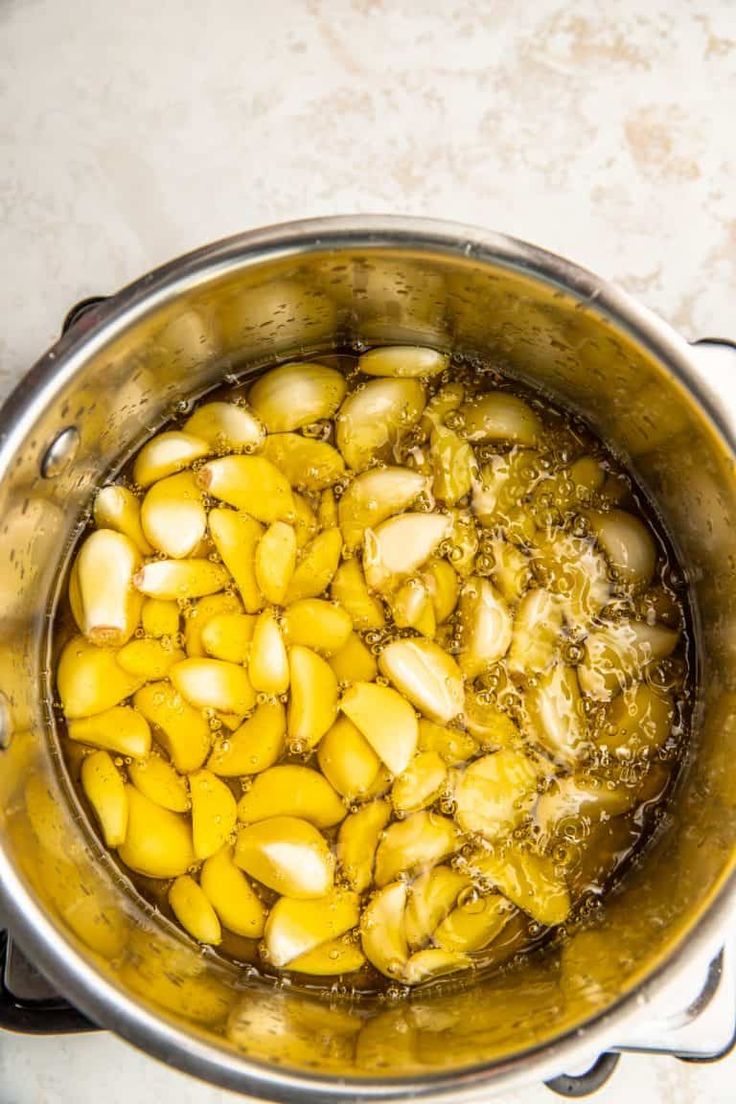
(50, 949)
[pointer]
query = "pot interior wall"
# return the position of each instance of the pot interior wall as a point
(119, 383)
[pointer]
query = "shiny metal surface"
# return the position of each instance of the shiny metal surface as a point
(227, 310)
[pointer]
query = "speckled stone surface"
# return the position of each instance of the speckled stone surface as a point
(133, 131)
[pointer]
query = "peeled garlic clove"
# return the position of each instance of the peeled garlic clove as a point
(317, 624)
(157, 780)
(159, 617)
(327, 514)
(422, 839)
(382, 930)
(297, 927)
(617, 654)
(536, 632)
(117, 508)
(158, 843)
(347, 760)
(226, 427)
(173, 516)
(372, 419)
(576, 797)
(451, 744)
(253, 747)
(288, 855)
(385, 719)
(357, 841)
(214, 813)
(105, 790)
(464, 542)
(228, 636)
(231, 895)
(627, 545)
(494, 794)
(313, 703)
(420, 784)
(181, 730)
(108, 607)
(353, 662)
(198, 616)
(571, 567)
(511, 569)
(90, 680)
(639, 720)
(398, 547)
(120, 729)
(194, 912)
(249, 483)
(490, 726)
(473, 924)
(432, 963)
(291, 790)
(173, 579)
(268, 666)
(412, 608)
(498, 416)
(555, 713)
(214, 684)
(308, 464)
(148, 659)
(374, 496)
(454, 465)
(443, 585)
(529, 880)
(165, 454)
(339, 956)
(431, 897)
(486, 626)
(443, 402)
(350, 590)
(316, 567)
(236, 536)
(426, 675)
(403, 361)
(296, 395)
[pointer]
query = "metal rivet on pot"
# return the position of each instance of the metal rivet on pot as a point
(60, 453)
(5, 729)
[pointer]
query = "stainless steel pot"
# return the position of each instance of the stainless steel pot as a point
(225, 311)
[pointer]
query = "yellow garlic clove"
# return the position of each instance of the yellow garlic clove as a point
(423, 839)
(403, 361)
(317, 624)
(214, 813)
(374, 496)
(297, 927)
(451, 744)
(572, 567)
(288, 855)
(148, 659)
(105, 790)
(236, 537)
(555, 714)
(120, 729)
(486, 626)
(316, 567)
(174, 579)
(228, 636)
(443, 585)
(382, 931)
(90, 680)
(420, 784)
(256, 745)
(313, 703)
(249, 483)
(275, 561)
(398, 547)
(157, 780)
(173, 516)
(373, 418)
(105, 604)
(295, 395)
(268, 665)
(464, 542)
(433, 963)
(494, 794)
(536, 632)
(639, 720)
(618, 654)
(443, 402)
(380, 785)
(214, 684)
(576, 797)
(194, 912)
(350, 590)
(230, 893)
(226, 427)
(290, 790)
(354, 662)
(165, 454)
(489, 724)
(339, 956)
(158, 843)
(511, 570)
(454, 465)
(198, 616)
(426, 675)
(412, 608)
(309, 465)
(529, 880)
(473, 924)
(327, 514)
(627, 545)
(347, 760)
(385, 719)
(357, 842)
(431, 898)
(305, 522)
(117, 508)
(160, 617)
(498, 416)
(181, 730)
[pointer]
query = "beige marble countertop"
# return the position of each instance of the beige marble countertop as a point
(133, 131)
